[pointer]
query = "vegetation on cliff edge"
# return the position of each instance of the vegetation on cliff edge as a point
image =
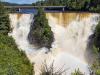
(12, 60)
(4, 20)
(40, 32)
(96, 65)
(97, 38)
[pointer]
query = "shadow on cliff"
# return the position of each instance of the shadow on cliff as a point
(89, 54)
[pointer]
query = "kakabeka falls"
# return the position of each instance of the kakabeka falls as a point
(50, 37)
(71, 48)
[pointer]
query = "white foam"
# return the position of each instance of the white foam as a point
(68, 49)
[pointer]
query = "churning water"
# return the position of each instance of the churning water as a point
(70, 47)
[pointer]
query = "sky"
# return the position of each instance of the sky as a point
(21, 1)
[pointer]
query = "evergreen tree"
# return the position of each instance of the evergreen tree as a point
(4, 20)
(40, 32)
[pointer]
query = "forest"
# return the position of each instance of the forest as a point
(76, 5)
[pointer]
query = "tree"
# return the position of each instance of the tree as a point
(4, 20)
(40, 32)
(97, 37)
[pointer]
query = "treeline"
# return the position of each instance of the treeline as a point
(78, 5)
(14, 4)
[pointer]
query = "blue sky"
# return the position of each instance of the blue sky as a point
(21, 1)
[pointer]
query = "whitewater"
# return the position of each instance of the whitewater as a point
(70, 49)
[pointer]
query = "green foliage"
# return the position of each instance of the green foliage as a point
(97, 38)
(13, 61)
(98, 72)
(96, 48)
(78, 5)
(40, 33)
(96, 68)
(77, 72)
(4, 20)
(4, 24)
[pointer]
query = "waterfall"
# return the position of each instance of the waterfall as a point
(20, 24)
(70, 48)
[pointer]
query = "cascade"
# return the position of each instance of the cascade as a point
(72, 32)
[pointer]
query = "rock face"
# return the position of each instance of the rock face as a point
(40, 32)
